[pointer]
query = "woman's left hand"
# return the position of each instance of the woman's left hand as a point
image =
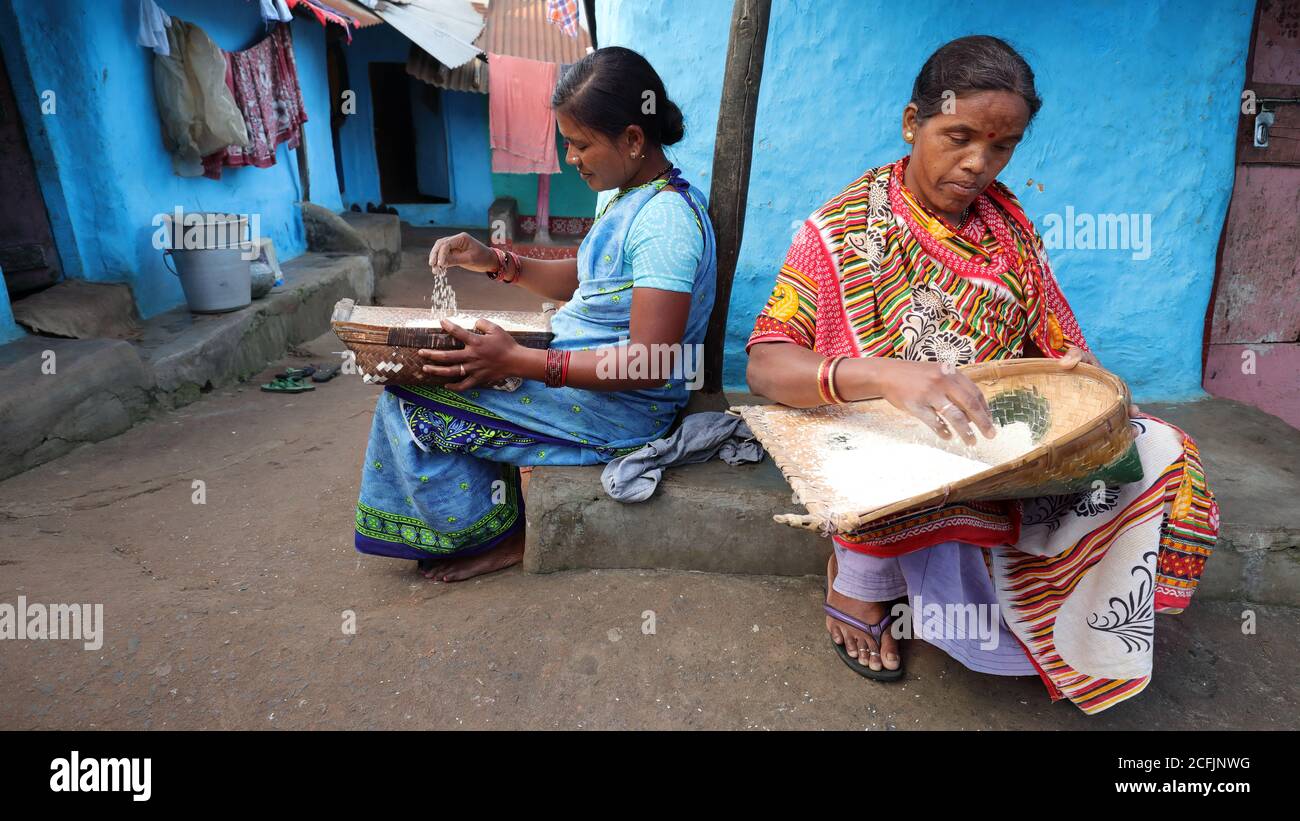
(1075, 355)
(487, 358)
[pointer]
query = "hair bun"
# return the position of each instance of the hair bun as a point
(672, 126)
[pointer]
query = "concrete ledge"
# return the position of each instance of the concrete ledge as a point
(191, 352)
(98, 388)
(717, 518)
(382, 234)
(1251, 460)
(101, 387)
(711, 517)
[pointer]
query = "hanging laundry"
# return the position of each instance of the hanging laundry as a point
(153, 28)
(276, 11)
(324, 14)
(264, 82)
(197, 109)
(563, 13)
(520, 119)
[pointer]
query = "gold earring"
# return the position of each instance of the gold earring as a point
(907, 135)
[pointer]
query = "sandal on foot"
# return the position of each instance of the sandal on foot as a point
(875, 631)
(287, 386)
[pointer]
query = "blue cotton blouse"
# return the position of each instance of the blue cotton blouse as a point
(664, 243)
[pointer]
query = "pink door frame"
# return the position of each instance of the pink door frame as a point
(1253, 330)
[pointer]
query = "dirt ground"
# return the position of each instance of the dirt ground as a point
(231, 614)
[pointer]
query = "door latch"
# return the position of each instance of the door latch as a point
(1265, 118)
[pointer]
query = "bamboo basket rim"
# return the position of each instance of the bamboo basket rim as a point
(342, 322)
(983, 374)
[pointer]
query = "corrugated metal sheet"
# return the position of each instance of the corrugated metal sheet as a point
(470, 77)
(517, 28)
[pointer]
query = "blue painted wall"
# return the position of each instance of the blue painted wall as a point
(100, 157)
(1140, 111)
(466, 127)
(9, 330)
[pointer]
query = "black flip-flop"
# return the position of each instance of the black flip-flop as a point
(326, 372)
(875, 631)
(297, 373)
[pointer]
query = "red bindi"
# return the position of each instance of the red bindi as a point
(991, 135)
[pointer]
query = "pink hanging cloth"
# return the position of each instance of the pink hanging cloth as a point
(520, 119)
(264, 80)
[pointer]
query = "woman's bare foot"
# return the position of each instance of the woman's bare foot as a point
(858, 644)
(509, 552)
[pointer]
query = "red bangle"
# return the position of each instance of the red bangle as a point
(826, 381)
(501, 262)
(513, 259)
(557, 367)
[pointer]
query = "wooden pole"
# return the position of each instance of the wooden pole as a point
(732, 153)
(589, 6)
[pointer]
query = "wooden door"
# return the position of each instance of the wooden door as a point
(1253, 344)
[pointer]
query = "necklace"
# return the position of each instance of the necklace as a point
(978, 267)
(623, 191)
(666, 169)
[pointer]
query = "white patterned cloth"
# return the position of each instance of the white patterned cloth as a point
(154, 23)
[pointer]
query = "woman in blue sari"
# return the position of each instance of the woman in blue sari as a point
(441, 479)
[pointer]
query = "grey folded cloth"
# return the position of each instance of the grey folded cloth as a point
(634, 477)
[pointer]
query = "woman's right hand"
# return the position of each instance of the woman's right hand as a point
(463, 250)
(941, 396)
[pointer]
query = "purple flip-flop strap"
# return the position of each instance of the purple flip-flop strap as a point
(873, 630)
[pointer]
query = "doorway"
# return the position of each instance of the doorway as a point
(27, 253)
(410, 137)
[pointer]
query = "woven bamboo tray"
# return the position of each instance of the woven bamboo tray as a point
(1079, 419)
(385, 345)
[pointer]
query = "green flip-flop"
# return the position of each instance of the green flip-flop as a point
(287, 386)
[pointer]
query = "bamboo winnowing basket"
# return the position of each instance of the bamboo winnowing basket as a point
(1079, 417)
(385, 347)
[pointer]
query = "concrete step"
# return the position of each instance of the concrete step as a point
(101, 387)
(1251, 459)
(59, 393)
(382, 234)
(189, 353)
(713, 517)
(710, 517)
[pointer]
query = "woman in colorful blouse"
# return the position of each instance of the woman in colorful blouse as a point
(927, 263)
(441, 478)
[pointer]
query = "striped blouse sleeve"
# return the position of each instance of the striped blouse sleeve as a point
(790, 314)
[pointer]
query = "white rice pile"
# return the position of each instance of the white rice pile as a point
(868, 469)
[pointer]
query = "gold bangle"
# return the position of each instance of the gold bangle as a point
(830, 380)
